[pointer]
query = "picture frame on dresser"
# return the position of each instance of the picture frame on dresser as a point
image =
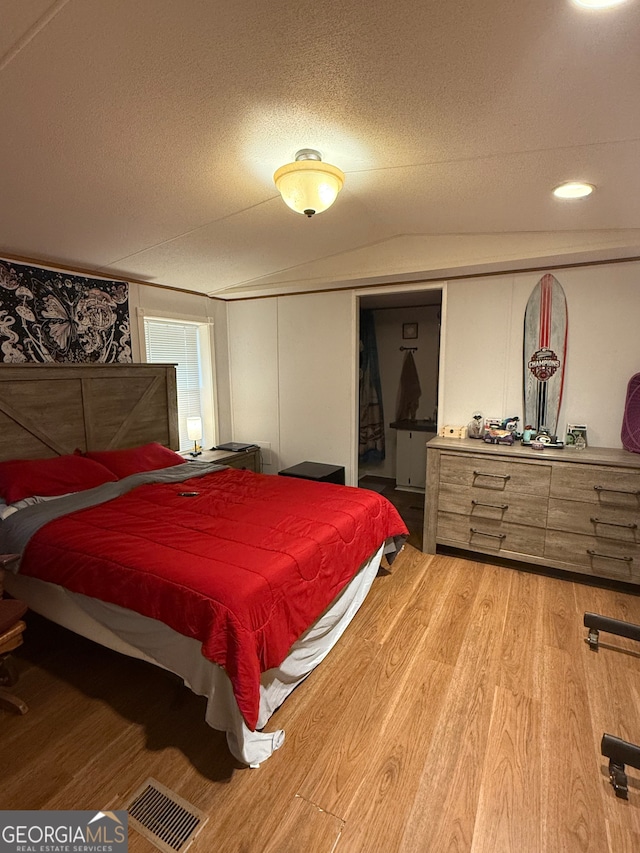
(576, 437)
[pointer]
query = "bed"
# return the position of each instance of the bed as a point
(238, 582)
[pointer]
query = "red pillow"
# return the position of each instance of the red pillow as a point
(133, 460)
(24, 478)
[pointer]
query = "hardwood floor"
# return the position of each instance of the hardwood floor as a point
(410, 505)
(461, 711)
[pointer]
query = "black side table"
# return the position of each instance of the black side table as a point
(316, 471)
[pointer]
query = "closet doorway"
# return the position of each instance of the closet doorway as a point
(399, 364)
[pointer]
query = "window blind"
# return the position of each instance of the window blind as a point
(175, 342)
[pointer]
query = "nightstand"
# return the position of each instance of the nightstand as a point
(247, 460)
(318, 471)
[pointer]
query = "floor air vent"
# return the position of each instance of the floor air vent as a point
(165, 819)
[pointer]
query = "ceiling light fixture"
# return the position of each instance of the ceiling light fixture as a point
(573, 189)
(309, 186)
(598, 4)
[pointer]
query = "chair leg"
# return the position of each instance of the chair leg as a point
(9, 702)
(8, 677)
(8, 671)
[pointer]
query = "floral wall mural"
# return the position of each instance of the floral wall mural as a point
(48, 316)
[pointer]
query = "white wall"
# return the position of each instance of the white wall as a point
(316, 361)
(253, 367)
(291, 378)
(286, 367)
(482, 363)
(293, 360)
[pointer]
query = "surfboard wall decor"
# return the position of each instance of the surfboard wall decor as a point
(545, 351)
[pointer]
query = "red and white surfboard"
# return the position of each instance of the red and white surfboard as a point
(545, 351)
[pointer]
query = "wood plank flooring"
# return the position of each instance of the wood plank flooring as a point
(410, 505)
(461, 711)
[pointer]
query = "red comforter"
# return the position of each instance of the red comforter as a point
(245, 567)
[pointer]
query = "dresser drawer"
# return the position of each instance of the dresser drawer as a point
(489, 535)
(590, 519)
(608, 487)
(496, 475)
(510, 507)
(595, 555)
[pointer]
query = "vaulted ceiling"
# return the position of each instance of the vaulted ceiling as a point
(139, 139)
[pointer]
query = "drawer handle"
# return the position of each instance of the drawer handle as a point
(493, 535)
(592, 553)
(493, 506)
(504, 477)
(635, 492)
(630, 526)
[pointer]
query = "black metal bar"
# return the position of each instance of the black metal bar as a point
(593, 553)
(613, 523)
(483, 533)
(493, 506)
(619, 752)
(612, 626)
(635, 492)
(499, 476)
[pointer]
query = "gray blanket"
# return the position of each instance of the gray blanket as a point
(17, 529)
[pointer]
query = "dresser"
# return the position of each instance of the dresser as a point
(577, 510)
(249, 460)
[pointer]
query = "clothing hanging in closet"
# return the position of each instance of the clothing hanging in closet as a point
(409, 391)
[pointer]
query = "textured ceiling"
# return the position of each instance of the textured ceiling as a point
(140, 138)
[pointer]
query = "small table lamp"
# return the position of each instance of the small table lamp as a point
(194, 433)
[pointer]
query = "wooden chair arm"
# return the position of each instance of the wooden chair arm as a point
(12, 638)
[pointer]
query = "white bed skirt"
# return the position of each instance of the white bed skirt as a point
(141, 637)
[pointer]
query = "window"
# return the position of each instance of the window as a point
(185, 344)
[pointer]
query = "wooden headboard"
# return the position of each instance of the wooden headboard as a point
(49, 409)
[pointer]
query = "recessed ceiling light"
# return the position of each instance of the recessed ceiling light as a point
(598, 4)
(573, 189)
